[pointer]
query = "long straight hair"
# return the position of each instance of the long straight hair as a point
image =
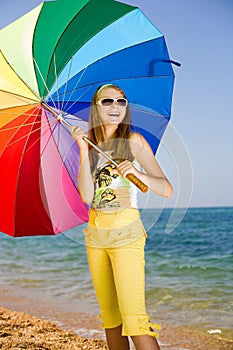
(119, 144)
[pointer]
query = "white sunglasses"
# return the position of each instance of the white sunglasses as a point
(107, 102)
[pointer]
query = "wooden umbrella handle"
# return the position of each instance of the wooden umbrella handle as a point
(135, 180)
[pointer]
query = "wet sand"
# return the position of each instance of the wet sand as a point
(73, 331)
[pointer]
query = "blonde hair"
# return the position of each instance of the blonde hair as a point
(119, 143)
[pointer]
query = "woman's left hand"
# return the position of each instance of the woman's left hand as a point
(126, 167)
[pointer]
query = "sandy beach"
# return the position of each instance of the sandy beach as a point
(24, 330)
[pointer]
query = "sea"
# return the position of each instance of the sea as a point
(189, 269)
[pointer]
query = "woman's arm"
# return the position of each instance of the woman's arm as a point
(85, 181)
(154, 176)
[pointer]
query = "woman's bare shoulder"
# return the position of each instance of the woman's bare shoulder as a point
(136, 137)
(137, 143)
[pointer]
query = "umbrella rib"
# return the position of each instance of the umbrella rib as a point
(21, 138)
(57, 122)
(76, 85)
(88, 88)
(42, 134)
(56, 77)
(122, 79)
(148, 112)
(36, 95)
(60, 124)
(17, 127)
(56, 145)
(75, 118)
(30, 124)
(20, 97)
(66, 84)
(13, 113)
(60, 107)
(51, 134)
(44, 82)
(8, 143)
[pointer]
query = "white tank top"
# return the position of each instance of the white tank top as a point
(112, 191)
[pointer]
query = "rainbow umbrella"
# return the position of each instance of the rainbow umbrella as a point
(51, 61)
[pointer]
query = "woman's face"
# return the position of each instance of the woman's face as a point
(113, 114)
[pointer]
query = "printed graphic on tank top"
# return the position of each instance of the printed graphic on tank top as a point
(112, 191)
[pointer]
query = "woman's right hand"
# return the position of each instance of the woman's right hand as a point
(78, 135)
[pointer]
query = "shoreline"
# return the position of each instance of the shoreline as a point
(37, 325)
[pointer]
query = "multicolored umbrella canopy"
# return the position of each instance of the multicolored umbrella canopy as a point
(51, 62)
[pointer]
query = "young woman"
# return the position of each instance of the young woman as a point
(115, 236)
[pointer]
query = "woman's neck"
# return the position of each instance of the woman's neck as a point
(108, 131)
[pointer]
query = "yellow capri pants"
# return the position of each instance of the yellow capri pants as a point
(118, 275)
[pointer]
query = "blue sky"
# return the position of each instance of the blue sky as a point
(197, 150)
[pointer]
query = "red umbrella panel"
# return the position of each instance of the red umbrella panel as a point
(40, 196)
